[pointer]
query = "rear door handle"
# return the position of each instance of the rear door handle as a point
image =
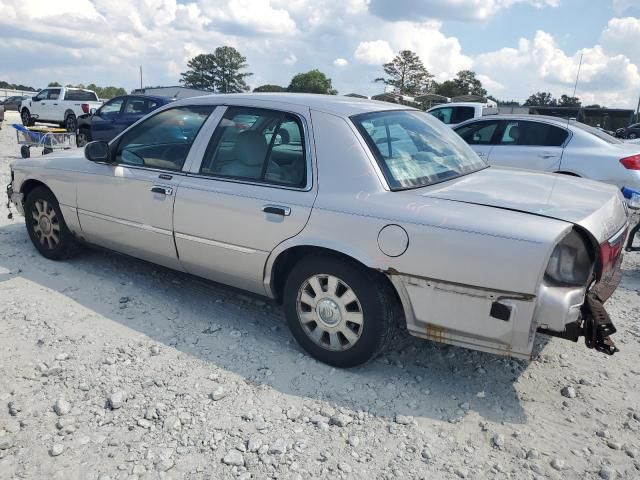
(162, 189)
(277, 210)
(547, 155)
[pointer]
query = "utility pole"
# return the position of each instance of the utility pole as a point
(140, 77)
(638, 110)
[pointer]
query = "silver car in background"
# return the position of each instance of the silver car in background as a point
(361, 217)
(552, 144)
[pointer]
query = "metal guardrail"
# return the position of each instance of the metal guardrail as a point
(5, 93)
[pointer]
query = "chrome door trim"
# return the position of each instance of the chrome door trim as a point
(214, 243)
(128, 223)
(200, 143)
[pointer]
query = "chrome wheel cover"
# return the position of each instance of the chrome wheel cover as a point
(329, 312)
(45, 224)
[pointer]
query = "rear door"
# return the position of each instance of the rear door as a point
(480, 135)
(528, 144)
(252, 190)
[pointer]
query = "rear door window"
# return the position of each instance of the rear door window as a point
(257, 145)
(535, 134)
(460, 114)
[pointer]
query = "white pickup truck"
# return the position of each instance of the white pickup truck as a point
(454, 113)
(62, 105)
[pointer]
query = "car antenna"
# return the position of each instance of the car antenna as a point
(575, 88)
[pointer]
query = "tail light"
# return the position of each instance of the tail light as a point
(631, 163)
(85, 109)
(610, 251)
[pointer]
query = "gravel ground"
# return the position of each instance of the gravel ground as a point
(112, 368)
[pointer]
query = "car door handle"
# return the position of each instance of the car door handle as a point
(162, 189)
(547, 155)
(482, 154)
(277, 210)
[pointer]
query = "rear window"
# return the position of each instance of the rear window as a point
(598, 133)
(414, 149)
(80, 96)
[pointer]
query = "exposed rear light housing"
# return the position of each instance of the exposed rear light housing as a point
(631, 163)
(610, 251)
(85, 109)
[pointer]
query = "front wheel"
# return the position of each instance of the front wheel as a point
(46, 226)
(84, 137)
(341, 313)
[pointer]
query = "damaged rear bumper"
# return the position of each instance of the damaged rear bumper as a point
(594, 323)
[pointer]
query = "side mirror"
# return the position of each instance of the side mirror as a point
(98, 152)
(92, 111)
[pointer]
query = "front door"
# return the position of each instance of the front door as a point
(530, 145)
(252, 190)
(127, 206)
(103, 122)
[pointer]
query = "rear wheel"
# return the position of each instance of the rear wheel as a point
(632, 135)
(341, 313)
(70, 123)
(46, 226)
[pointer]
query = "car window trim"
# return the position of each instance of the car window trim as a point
(194, 171)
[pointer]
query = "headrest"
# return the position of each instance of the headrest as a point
(251, 148)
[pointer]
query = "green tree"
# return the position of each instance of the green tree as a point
(541, 99)
(54, 84)
(219, 71)
(269, 88)
(313, 81)
(465, 83)
(407, 74)
(567, 101)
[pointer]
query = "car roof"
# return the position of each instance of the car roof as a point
(521, 116)
(334, 104)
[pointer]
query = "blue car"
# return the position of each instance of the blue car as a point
(116, 115)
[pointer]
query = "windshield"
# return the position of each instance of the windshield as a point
(414, 149)
(598, 133)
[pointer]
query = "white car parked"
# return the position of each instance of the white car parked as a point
(60, 105)
(551, 144)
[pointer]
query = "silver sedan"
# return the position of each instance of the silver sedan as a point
(360, 217)
(552, 144)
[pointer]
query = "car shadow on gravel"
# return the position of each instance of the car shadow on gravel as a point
(247, 335)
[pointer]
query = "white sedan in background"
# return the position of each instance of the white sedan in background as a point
(552, 144)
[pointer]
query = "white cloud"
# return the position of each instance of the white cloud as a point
(621, 7)
(290, 59)
(340, 62)
(539, 64)
(466, 10)
(253, 15)
(375, 52)
(622, 35)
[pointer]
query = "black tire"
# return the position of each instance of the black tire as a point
(84, 137)
(25, 151)
(71, 123)
(632, 135)
(26, 118)
(374, 294)
(47, 150)
(42, 199)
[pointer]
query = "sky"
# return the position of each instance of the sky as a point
(517, 47)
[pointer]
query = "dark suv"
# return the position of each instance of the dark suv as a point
(114, 116)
